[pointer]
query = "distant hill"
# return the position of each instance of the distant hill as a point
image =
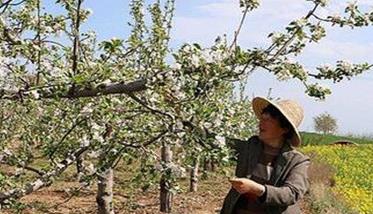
(310, 138)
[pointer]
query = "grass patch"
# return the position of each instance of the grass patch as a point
(309, 138)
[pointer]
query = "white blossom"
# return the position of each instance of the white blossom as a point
(87, 110)
(177, 92)
(231, 111)
(207, 56)
(97, 132)
(91, 168)
(91, 34)
(18, 171)
(85, 141)
(198, 149)
(93, 154)
(195, 60)
(153, 99)
(4, 60)
(107, 82)
(220, 140)
(35, 94)
(187, 48)
(219, 55)
(48, 29)
(301, 22)
(176, 66)
(207, 125)
(7, 151)
(336, 17)
(181, 134)
(179, 124)
(283, 75)
(97, 136)
(347, 66)
(116, 100)
(351, 4)
(60, 165)
(217, 121)
(97, 127)
(323, 2)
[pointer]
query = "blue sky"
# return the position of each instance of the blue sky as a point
(203, 20)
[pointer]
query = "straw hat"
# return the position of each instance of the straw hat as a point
(291, 110)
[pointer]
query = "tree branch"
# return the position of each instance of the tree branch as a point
(76, 39)
(287, 43)
(237, 32)
(7, 34)
(45, 180)
(321, 19)
(138, 100)
(56, 146)
(117, 88)
(269, 50)
(137, 145)
(32, 169)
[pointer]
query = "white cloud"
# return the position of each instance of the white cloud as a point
(226, 8)
(222, 17)
(351, 101)
(331, 50)
(200, 29)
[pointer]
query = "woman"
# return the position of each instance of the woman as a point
(271, 174)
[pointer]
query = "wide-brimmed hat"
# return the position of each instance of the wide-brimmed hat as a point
(291, 110)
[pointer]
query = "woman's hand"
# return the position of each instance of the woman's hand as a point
(245, 185)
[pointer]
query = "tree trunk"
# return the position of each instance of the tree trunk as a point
(206, 164)
(104, 196)
(213, 165)
(79, 168)
(165, 185)
(206, 168)
(194, 175)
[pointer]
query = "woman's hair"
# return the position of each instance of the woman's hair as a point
(284, 123)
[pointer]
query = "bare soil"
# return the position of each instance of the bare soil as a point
(56, 199)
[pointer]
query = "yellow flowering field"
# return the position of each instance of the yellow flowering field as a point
(354, 172)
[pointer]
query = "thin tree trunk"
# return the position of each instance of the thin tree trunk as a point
(165, 185)
(206, 164)
(194, 175)
(104, 196)
(206, 168)
(79, 168)
(213, 165)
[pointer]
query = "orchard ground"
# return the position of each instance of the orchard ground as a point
(59, 197)
(55, 199)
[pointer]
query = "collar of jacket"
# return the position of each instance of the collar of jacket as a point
(255, 150)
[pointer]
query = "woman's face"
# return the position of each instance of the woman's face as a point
(270, 129)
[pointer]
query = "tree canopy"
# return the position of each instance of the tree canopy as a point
(65, 95)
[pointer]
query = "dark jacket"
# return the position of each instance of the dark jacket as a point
(289, 177)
